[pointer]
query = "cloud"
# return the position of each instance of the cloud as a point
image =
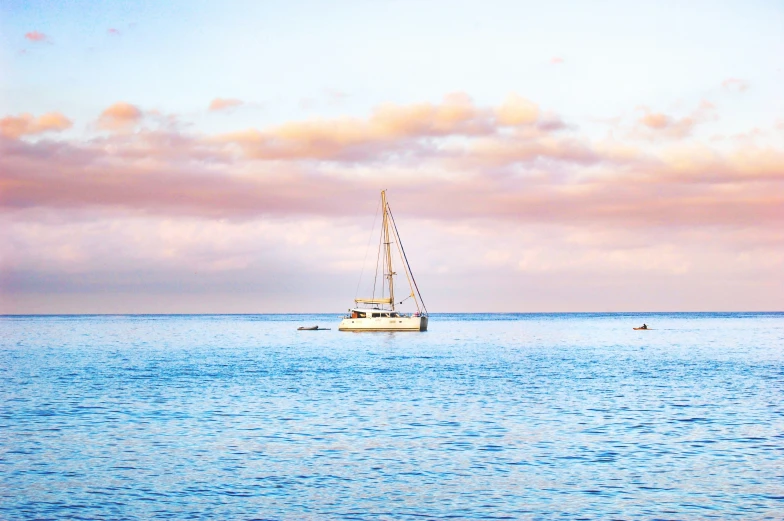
(224, 103)
(662, 125)
(735, 85)
(517, 110)
(655, 120)
(566, 182)
(450, 161)
(35, 36)
(135, 263)
(491, 193)
(120, 116)
(27, 125)
(390, 129)
(556, 60)
(113, 32)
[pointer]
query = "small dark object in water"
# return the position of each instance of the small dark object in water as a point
(314, 328)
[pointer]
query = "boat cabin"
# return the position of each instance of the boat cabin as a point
(373, 313)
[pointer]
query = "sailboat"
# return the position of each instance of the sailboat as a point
(378, 312)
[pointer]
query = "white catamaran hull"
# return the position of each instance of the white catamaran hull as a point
(384, 324)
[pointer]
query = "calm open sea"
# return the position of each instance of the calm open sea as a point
(534, 416)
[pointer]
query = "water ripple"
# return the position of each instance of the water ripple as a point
(483, 417)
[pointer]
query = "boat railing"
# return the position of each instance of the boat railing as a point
(400, 315)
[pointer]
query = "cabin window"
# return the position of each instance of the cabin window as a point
(376, 315)
(394, 315)
(361, 315)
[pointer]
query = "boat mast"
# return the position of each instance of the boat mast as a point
(387, 250)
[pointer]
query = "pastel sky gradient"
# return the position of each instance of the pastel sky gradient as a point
(227, 157)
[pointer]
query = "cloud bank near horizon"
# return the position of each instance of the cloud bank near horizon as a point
(515, 192)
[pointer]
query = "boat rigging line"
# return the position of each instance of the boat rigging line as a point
(405, 258)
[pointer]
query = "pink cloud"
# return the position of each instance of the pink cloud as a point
(26, 124)
(389, 128)
(120, 116)
(657, 124)
(134, 263)
(735, 85)
(655, 120)
(168, 174)
(556, 60)
(449, 161)
(112, 31)
(35, 36)
(224, 103)
(517, 110)
(489, 192)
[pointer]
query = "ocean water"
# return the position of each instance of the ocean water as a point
(533, 416)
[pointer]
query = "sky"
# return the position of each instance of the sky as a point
(227, 157)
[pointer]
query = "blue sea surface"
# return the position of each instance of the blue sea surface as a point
(485, 416)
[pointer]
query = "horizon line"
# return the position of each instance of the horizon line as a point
(437, 313)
